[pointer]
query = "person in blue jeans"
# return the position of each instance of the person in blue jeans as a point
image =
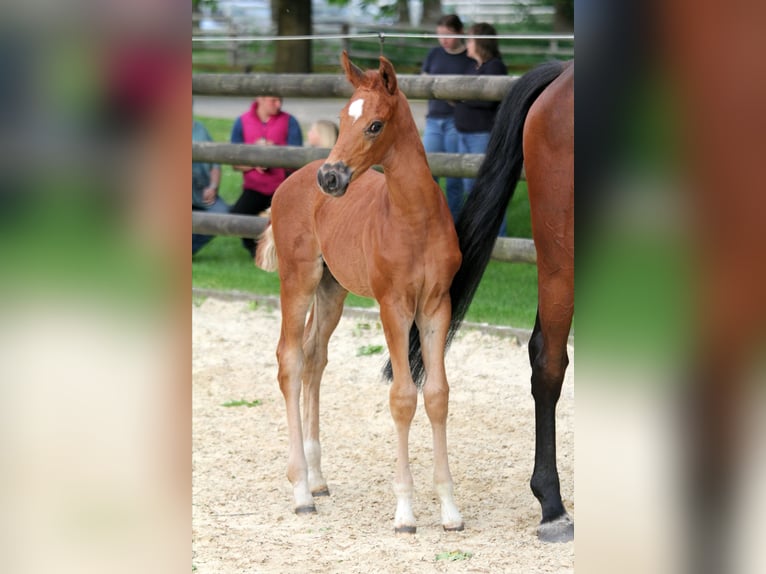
(440, 135)
(206, 177)
(474, 118)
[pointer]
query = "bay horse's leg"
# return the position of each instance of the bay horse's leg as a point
(298, 283)
(403, 400)
(325, 315)
(549, 360)
(433, 334)
(554, 240)
(549, 162)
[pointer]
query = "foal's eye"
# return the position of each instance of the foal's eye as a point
(375, 128)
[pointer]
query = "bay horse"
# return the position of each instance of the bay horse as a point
(337, 226)
(534, 127)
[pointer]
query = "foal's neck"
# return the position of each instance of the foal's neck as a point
(408, 176)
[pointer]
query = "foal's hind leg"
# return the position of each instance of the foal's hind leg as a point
(433, 332)
(325, 314)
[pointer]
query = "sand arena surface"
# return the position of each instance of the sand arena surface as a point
(242, 518)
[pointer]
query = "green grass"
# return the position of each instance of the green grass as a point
(507, 294)
(368, 350)
(454, 555)
(242, 403)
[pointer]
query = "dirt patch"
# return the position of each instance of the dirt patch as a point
(242, 515)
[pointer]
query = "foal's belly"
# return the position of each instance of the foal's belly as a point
(350, 270)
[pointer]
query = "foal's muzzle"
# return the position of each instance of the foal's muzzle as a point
(333, 178)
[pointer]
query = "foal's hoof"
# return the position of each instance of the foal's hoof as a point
(321, 492)
(459, 528)
(405, 529)
(306, 509)
(559, 530)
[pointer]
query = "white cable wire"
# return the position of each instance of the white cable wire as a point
(378, 35)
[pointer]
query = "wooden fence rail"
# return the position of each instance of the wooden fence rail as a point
(442, 164)
(508, 249)
(447, 87)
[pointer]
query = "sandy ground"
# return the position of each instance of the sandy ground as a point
(242, 500)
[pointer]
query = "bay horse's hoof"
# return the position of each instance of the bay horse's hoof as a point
(405, 529)
(459, 528)
(559, 530)
(321, 492)
(306, 509)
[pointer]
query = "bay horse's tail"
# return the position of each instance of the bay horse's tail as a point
(483, 212)
(266, 252)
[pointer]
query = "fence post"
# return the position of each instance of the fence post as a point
(234, 45)
(344, 30)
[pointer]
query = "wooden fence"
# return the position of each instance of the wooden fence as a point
(333, 86)
(447, 87)
(245, 48)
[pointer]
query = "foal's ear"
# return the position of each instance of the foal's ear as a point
(388, 75)
(353, 73)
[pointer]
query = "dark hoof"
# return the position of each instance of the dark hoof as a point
(308, 509)
(558, 530)
(323, 492)
(459, 528)
(405, 529)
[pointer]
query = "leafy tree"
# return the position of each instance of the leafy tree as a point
(198, 4)
(390, 8)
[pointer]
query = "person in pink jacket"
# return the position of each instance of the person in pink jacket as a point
(263, 124)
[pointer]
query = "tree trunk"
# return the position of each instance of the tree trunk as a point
(563, 17)
(403, 10)
(432, 11)
(294, 19)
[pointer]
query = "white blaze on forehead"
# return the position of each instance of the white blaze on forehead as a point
(355, 109)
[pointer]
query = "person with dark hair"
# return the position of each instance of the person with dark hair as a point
(474, 118)
(263, 124)
(449, 57)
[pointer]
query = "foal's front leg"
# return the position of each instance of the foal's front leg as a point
(403, 400)
(298, 284)
(433, 335)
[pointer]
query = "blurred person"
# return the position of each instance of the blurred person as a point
(440, 135)
(474, 118)
(206, 177)
(323, 133)
(263, 124)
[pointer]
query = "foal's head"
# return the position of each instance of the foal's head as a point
(367, 126)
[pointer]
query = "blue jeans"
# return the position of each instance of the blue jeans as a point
(440, 135)
(476, 142)
(199, 240)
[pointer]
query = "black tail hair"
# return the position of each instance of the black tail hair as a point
(483, 212)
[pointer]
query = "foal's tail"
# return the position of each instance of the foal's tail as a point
(480, 218)
(266, 252)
